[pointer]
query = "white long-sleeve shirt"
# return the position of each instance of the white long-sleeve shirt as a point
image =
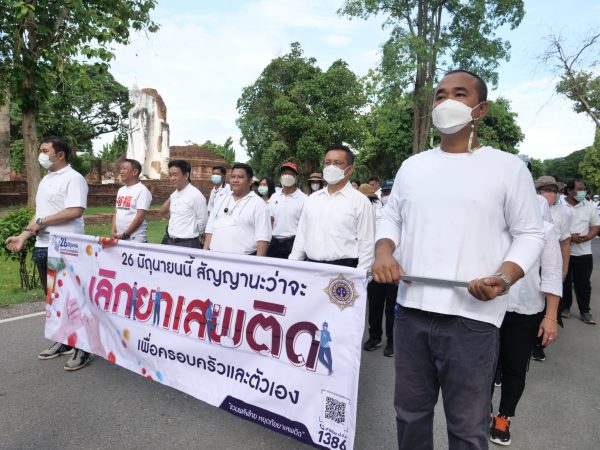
(527, 295)
(188, 213)
(485, 212)
(336, 226)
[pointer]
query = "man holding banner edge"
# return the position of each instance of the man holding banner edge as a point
(447, 337)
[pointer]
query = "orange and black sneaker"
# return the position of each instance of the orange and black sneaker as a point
(500, 430)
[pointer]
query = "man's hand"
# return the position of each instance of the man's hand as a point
(16, 243)
(578, 239)
(549, 330)
(386, 270)
(486, 289)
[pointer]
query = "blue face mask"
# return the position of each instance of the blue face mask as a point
(216, 179)
(580, 196)
(263, 190)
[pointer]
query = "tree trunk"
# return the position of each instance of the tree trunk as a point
(30, 149)
(5, 139)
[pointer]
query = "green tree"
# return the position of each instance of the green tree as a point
(294, 110)
(429, 35)
(499, 127)
(225, 151)
(93, 104)
(579, 84)
(566, 167)
(40, 38)
(117, 148)
(589, 167)
(12, 225)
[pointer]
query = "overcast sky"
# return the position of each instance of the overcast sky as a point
(207, 51)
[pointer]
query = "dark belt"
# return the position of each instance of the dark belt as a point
(285, 239)
(347, 262)
(175, 240)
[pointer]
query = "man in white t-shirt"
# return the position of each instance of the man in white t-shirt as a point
(585, 224)
(187, 208)
(59, 205)
(286, 208)
(221, 187)
(133, 202)
(240, 221)
(446, 336)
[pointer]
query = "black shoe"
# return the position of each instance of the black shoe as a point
(538, 353)
(389, 349)
(371, 344)
(500, 430)
(498, 379)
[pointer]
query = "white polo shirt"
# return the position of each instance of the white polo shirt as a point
(584, 216)
(237, 226)
(188, 213)
(216, 194)
(562, 221)
(65, 188)
(286, 211)
(130, 199)
(336, 226)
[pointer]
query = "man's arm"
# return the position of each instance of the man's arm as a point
(261, 248)
(579, 239)
(365, 235)
(565, 250)
(140, 216)
(298, 252)
(201, 213)
(386, 269)
(113, 228)
(63, 216)
(207, 239)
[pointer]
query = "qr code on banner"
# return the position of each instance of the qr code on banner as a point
(335, 410)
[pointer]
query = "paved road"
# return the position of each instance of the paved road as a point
(105, 406)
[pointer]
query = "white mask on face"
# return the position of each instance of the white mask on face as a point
(451, 116)
(287, 180)
(384, 199)
(333, 174)
(315, 186)
(44, 161)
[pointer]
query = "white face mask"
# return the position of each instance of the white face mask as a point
(333, 174)
(287, 180)
(451, 116)
(315, 186)
(384, 199)
(44, 161)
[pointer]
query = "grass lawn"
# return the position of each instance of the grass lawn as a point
(10, 290)
(108, 209)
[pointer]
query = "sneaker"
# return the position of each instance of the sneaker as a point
(538, 353)
(372, 344)
(587, 318)
(55, 350)
(80, 359)
(565, 313)
(500, 430)
(389, 349)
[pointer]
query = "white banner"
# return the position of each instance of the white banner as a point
(273, 341)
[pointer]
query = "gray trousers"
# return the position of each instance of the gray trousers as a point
(456, 354)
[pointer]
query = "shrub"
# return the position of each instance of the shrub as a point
(13, 225)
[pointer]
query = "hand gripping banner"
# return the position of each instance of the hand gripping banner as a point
(272, 341)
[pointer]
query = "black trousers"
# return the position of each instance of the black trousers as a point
(281, 248)
(190, 243)
(518, 335)
(347, 262)
(381, 297)
(578, 276)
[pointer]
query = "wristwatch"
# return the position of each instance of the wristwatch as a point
(126, 236)
(506, 282)
(39, 222)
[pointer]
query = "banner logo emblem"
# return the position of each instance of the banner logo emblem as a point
(341, 292)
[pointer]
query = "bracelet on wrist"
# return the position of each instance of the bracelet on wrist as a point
(550, 318)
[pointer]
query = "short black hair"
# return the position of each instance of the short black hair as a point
(374, 178)
(183, 165)
(343, 148)
(220, 168)
(572, 181)
(270, 184)
(482, 89)
(135, 164)
(244, 167)
(59, 145)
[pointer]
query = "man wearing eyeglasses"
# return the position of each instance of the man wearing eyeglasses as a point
(336, 225)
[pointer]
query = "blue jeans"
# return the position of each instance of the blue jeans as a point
(40, 258)
(456, 354)
(325, 358)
